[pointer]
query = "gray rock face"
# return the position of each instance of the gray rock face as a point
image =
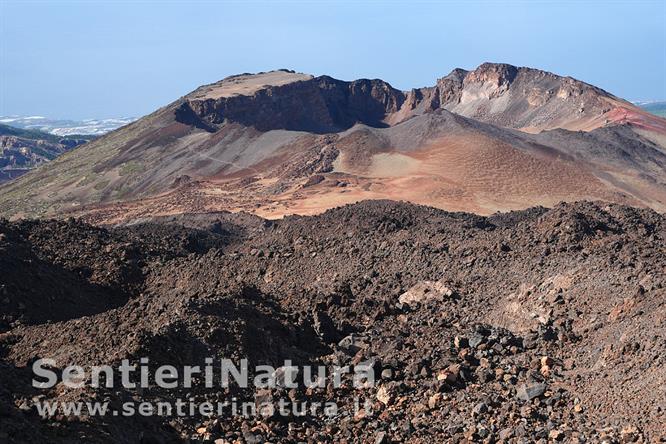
(352, 344)
(527, 392)
(318, 105)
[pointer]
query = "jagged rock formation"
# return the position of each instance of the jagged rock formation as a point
(528, 99)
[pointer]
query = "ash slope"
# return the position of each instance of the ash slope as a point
(567, 301)
(282, 143)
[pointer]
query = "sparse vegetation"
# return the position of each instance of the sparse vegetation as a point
(131, 167)
(101, 184)
(88, 179)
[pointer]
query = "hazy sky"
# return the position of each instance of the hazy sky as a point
(101, 59)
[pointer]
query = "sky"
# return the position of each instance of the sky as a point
(101, 59)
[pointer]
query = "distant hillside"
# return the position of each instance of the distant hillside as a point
(656, 108)
(22, 149)
(66, 127)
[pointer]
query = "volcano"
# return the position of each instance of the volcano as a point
(496, 138)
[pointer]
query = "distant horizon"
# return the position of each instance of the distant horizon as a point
(106, 59)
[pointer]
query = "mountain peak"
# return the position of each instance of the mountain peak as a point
(500, 72)
(457, 73)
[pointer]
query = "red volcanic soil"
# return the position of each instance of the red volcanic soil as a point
(637, 118)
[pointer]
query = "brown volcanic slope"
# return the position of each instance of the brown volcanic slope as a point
(571, 300)
(280, 143)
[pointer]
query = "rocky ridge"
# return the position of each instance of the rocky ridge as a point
(496, 93)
